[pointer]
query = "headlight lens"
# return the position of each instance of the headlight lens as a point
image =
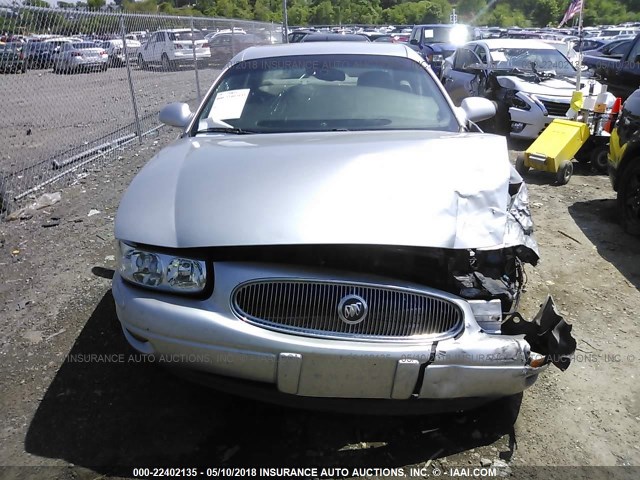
(437, 58)
(161, 271)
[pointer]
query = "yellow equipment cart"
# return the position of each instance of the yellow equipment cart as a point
(554, 150)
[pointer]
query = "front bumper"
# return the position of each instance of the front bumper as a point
(204, 335)
(534, 120)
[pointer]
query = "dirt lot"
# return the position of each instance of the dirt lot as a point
(101, 417)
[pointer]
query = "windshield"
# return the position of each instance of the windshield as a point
(530, 59)
(456, 34)
(325, 93)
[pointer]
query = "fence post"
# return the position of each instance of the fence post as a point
(131, 89)
(285, 23)
(195, 62)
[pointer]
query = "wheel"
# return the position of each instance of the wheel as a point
(564, 172)
(599, 159)
(141, 63)
(629, 198)
(166, 63)
(521, 168)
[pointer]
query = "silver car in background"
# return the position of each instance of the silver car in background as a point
(116, 51)
(330, 231)
(81, 56)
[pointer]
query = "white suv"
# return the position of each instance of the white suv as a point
(172, 47)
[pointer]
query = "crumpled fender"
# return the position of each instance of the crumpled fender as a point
(548, 334)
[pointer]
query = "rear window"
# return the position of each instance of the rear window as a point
(82, 46)
(178, 36)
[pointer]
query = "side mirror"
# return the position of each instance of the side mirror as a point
(176, 114)
(477, 108)
(414, 41)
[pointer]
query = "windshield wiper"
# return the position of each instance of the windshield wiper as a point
(234, 130)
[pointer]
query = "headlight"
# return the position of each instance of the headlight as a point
(161, 271)
(437, 58)
(513, 100)
(522, 100)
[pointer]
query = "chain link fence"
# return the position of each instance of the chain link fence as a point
(79, 86)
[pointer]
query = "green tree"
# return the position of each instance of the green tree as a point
(544, 12)
(323, 13)
(95, 4)
(298, 12)
(261, 10)
(36, 3)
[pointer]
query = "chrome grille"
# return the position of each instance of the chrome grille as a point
(311, 308)
(556, 109)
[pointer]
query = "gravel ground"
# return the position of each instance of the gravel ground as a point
(101, 417)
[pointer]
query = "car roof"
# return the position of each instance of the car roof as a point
(495, 43)
(328, 48)
(178, 30)
(335, 37)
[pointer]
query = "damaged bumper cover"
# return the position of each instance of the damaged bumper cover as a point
(205, 336)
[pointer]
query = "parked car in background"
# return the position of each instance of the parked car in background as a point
(622, 75)
(297, 35)
(591, 44)
(174, 47)
(224, 46)
(624, 163)
(81, 57)
(436, 42)
(236, 31)
(332, 231)
(530, 80)
(615, 49)
(39, 54)
(116, 51)
(12, 58)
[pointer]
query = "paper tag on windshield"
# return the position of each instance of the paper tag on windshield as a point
(229, 105)
(428, 33)
(498, 56)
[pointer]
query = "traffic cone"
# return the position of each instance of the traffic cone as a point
(613, 115)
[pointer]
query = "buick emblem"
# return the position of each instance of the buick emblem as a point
(352, 309)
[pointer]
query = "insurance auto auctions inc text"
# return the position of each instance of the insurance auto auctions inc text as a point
(368, 472)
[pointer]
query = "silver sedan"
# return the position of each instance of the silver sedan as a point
(330, 231)
(81, 56)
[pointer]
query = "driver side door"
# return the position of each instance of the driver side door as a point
(464, 78)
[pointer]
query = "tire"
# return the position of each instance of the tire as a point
(24, 68)
(104, 68)
(629, 198)
(141, 63)
(521, 168)
(564, 172)
(599, 159)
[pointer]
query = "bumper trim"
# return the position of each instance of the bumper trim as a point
(288, 373)
(265, 392)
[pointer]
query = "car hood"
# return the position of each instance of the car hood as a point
(411, 188)
(556, 87)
